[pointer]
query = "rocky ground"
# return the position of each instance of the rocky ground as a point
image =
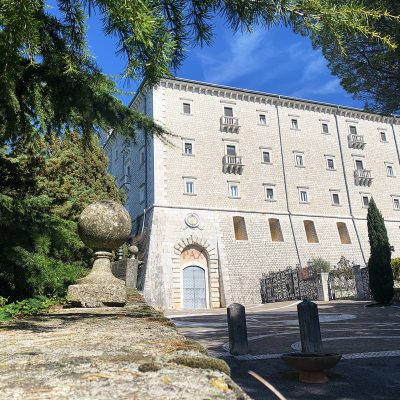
(120, 353)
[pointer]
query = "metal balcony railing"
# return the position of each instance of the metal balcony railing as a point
(232, 164)
(229, 124)
(362, 177)
(356, 141)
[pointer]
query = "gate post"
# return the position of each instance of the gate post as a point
(360, 292)
(237, 329)
(323, 289)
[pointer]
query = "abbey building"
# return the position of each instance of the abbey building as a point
(248, 183)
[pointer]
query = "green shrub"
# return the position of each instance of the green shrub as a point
(203, 363)
(395, 264)
(320, 265)
(379, 269)
(31, 306)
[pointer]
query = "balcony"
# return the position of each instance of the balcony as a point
(230, 124)
(232, 164)
(362, 177)
(356, 141)
(125, 182)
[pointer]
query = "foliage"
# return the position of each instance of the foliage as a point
(32, 306)
(380, 272)
(320, 265)
(46, 185)
(366, 68)
(203, 363)
(50, 83)
(395, 264)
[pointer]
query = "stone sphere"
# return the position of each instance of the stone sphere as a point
(104, 225)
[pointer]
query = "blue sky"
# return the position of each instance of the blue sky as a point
(275, 61)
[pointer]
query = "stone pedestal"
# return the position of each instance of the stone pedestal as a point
(360, 292)
(126, 270)
(103, 226)
(323, 288)
(100, 288)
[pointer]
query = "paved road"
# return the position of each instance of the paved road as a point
(369, 339)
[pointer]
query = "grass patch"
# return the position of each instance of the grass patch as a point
(149, 367)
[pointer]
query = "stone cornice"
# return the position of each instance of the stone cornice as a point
(273, 99)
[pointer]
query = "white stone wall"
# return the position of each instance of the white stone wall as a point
(239, 264)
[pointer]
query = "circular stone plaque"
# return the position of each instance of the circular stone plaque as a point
(192, 220)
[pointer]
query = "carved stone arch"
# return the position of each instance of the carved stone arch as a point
(193, 239)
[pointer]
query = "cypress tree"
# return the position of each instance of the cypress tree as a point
(380, 271)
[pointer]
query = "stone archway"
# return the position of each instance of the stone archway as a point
(195, 252)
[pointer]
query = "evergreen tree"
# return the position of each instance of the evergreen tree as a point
(46, 185)
(380, 271)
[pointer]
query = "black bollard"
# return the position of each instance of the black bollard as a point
(237, 329)
(310, 331)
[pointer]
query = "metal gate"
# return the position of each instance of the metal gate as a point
(341, 281)
(194, 287)
(290, 284)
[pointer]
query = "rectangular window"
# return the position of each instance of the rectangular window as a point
(294, 124)
(383, 136)
(141, 194)
(234, 190)
(335, 199)
(269, 193)
(262, 119)
(228, 111)
(365, 201)
(303, 196)
(299, 159)
(189, 186)
(353, 129)
(330, 163)
(239, 226)
(389, 170)
(141, 156)
(188, 148)
(116, 154)
(325, 127)
(359, 165)
(343, 233)
(266, 156)
(231, 150)
(311, 232)
(275, 229)
(186, 108)
(396, 203)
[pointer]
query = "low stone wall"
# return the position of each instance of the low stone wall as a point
(132, 352)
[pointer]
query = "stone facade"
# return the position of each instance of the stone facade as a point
(296, 165)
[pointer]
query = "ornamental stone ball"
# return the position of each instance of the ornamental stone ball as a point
(104, 225)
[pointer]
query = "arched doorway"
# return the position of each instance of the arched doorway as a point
(194, 287)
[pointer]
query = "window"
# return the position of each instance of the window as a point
(262, 119)
(353, 129)
(343, 233)
(299, 159)
(396, 203)
(239, 227)
(390, 170)
(359, 165)
(275, 229)
(128, 171)
(141, 194)
(233, 190)
(383, 136)
(325, 127)
(266, 156)
(311, 232)
(189, 186)
(335, 198)
(116, 154)
(141, 156)
(365, 201)
(269, 193)
(186, 108)
(231, 150)
(330, 163)
(303, 196)
(294, 123)
(188, 148)
(228, 111)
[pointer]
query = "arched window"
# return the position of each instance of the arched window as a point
(240, 228)
(343, 233)
(311, 232)
(275, 229)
